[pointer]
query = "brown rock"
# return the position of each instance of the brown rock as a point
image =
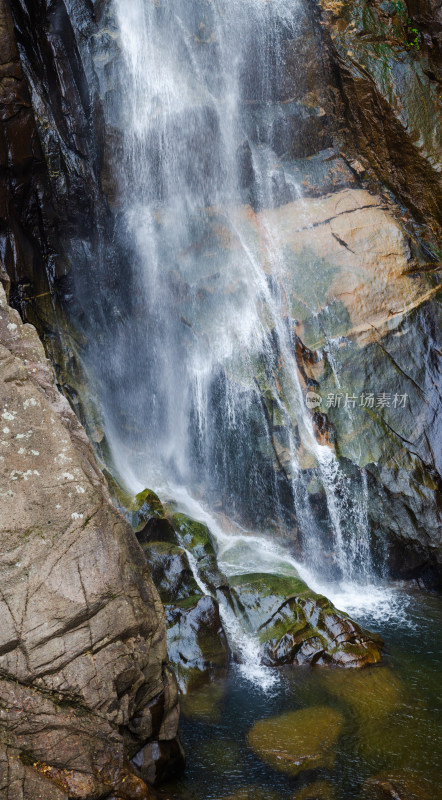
(83, 642)
(361, 257)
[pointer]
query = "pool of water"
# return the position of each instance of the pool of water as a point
(392, 721)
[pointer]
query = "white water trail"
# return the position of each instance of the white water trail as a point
(201, 181)
(242, 552)
(243, 644)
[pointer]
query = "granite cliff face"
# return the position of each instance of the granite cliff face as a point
(84, 678)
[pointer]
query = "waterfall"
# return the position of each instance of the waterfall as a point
(210, 343)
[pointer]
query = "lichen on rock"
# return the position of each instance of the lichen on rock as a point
(83, 655)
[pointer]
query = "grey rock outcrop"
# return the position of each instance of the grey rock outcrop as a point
(84, 676)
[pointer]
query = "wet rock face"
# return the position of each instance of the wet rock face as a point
(170, 571)
(196, 640)
(83, 659)
(365, 317)
(54, 210)
(24, 185)
(297, 626)
(351, 99)
(51, 145)
(196, 537)
(389, 84)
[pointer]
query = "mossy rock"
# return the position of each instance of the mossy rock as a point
(319, 790)
(403, 747)
(137, 509)
(171, 572)
(297, 626)
(195, 537)
(197, 643)
(299, 740)
(260, 595)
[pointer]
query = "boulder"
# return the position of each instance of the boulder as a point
(253, 793)
(372, 694)
(138, 509)
(83, 653)
(222, 756)
(197, 643)
(204, 703)
(297, 626)
(196, 537)
(171, 573)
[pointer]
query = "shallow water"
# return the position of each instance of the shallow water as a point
(392, 716)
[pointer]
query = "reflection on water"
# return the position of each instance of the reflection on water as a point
(392, 721)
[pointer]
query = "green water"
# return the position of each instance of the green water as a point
(391, 720)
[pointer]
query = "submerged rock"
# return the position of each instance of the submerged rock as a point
(297, 626)
(372, 694)
(83, 657)
(221, 755)
(253, 793)
(399, 786)
(319, 790)
(299, 740)
(204, 703)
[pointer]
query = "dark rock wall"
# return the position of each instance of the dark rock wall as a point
(52, 165)
(387, 81)
(27, 213)
(54, 215)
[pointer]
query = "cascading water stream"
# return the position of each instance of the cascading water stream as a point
(211, 333)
